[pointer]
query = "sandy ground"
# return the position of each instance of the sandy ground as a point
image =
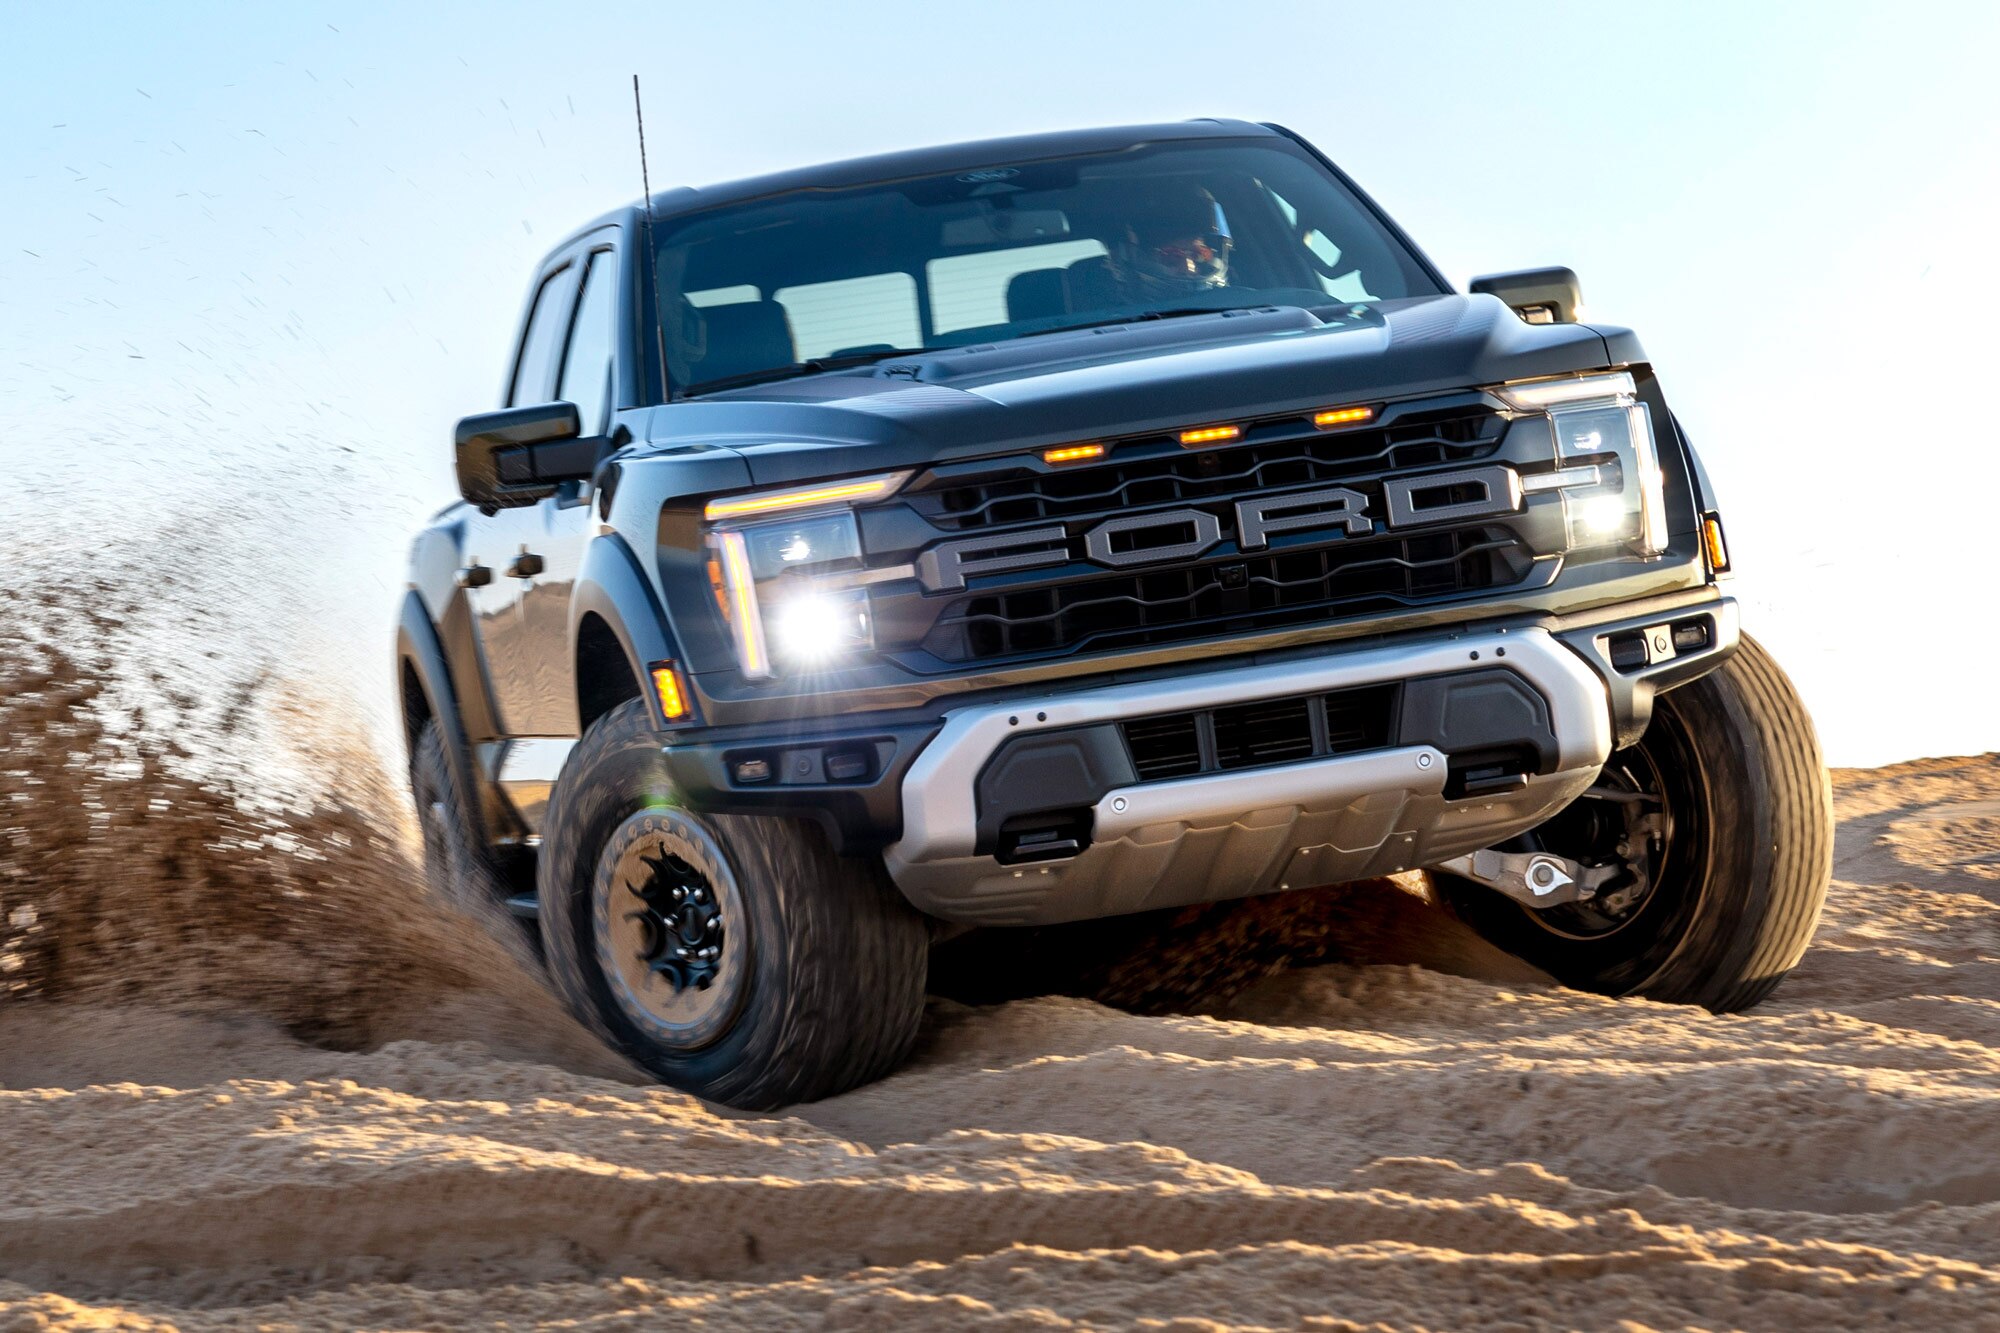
(1361, 1144)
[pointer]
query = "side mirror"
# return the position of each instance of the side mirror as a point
(1538, 295)
(519, 455)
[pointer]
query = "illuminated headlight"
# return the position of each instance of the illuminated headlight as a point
(777, 577)
(1607, 465)
(811, 629)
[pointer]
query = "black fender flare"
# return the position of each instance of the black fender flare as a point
(418, 646)
(611, 586)
(1705, 500)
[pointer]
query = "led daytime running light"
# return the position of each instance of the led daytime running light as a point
(746, 620)
(1541, 395)
(845, 492)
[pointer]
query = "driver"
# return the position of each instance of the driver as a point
(1173, 244)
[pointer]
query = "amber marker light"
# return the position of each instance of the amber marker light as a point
(667, 688)
(1074, 453)
(1211, 434)
(1711, 540)
(1343, 416)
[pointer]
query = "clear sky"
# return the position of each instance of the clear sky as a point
(274, 251)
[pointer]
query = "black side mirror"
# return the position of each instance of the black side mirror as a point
(518, 455)
(1538, 295)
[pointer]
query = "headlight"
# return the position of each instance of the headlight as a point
(777, 578)
(1607, 466)
(811, 628)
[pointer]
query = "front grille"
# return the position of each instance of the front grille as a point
(1164, 747)
(1180, 476)
(1272, 731)
(1030, 562)
(1265, 733)
(1126, 610)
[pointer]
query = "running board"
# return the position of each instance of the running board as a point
(525, 770)
(525, 905)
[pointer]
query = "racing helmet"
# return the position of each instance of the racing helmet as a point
(1176, 243)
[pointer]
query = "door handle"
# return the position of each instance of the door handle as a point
(474, 575)
(525, 565)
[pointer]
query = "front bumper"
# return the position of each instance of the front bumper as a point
(1474, 759)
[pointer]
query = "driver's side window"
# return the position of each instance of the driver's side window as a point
(535, 372)
(586, 372)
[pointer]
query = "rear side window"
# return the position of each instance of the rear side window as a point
(852, 314)
(535, 372)
(586, 372)
(970, 291)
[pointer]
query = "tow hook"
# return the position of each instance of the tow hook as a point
(1537, 879)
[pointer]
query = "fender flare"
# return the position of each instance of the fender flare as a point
(611, 586)
(418, 646)
(1705, 500)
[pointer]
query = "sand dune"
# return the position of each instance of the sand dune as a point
(1360, 1144)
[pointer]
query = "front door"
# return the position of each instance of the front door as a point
(534, 551)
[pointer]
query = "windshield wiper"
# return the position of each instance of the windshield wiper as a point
(1176, 313)
(816, 365)
(820, 364)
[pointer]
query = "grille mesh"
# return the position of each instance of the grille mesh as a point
(1126, 609)
(1271, 731)
(1179, 476)
(1085, 606)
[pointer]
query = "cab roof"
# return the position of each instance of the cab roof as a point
(679, 200)
(947, 157)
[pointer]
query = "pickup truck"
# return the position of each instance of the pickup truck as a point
(1063, 527)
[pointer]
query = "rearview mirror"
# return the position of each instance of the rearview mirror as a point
(1002, 226)
(1538, 295)
(518, 455)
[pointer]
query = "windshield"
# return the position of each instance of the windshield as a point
(814, 280)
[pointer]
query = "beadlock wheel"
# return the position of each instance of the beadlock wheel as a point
(661, 909)
(735, 957)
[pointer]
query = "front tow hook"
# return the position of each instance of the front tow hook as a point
(1536, 879)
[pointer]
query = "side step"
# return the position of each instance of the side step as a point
(526, 906)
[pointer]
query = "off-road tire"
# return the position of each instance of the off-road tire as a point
(457, 870)
(1747, 865)
(829, 989)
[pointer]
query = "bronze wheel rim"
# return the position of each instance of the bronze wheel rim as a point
(671, 938)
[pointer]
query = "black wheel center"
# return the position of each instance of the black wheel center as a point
(680, 923)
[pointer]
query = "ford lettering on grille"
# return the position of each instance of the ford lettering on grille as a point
(1170, 536)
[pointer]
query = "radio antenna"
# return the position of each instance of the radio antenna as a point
(652, 256)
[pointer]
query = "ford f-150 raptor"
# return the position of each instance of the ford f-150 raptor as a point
(1062, 527)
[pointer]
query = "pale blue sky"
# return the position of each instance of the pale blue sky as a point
(245, 245)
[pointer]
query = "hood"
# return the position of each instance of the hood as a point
(1125, 379)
